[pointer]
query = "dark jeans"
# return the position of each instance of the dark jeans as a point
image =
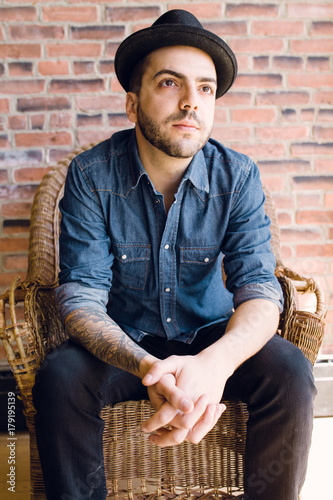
(72, 387)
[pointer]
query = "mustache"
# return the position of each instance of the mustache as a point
(185, 115)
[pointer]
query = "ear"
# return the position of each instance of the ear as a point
(131, 106)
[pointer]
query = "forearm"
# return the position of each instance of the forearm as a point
(251, 326)
(100, 335)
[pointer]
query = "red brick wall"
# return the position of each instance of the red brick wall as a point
(58, 90)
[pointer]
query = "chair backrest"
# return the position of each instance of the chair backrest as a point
(43, 264)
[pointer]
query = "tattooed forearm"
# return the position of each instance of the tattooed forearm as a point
(100, 335)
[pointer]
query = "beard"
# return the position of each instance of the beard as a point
(184, 147)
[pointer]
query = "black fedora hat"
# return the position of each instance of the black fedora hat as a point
(176, 27)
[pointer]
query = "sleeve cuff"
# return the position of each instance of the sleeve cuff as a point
(71, 296)
(269, 290)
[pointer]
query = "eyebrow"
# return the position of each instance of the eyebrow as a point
(182, 76)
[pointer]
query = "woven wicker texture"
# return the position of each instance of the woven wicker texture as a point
(211, 469)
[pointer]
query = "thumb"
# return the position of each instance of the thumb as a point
(158, 369)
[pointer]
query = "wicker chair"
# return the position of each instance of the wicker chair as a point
(134, 467)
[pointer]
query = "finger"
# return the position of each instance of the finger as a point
(167, 389)
(168, 437)
(163, 416)
(188, 420)
(206, 423)
(158, 369)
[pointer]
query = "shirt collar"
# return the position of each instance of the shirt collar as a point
(196, 172)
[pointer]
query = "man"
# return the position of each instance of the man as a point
(146, 218)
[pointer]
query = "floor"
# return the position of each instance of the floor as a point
(318, 484)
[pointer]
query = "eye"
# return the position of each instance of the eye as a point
(167, 83)
(207, 89)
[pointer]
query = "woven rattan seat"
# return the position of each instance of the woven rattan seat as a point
(134, 467)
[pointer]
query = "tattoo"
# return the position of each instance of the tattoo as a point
(99, 334)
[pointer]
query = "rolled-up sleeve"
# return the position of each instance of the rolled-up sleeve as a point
(270, 290)
(72, 296)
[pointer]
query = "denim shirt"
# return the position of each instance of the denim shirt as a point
(160, 273)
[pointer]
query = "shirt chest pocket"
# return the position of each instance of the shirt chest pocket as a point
(130, 266)
(196, 264)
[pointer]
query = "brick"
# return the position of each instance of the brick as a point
(17, 122)
(325, 115)
(283, 201)
(84, 67)
(6, 279)
(224, 28)
(311, 148)
(313, 182)
(286, 252)
(73, 86)
(220, 116)
(323, 165)
(16, 262)
(318, 63)
(43, 139)
(106, 66)
(89, 120)
(2, 69)
(231, 134)
(309, 46)
(257, 45)
(289, 115)
(97, 32)
(30, 174)
(46, 68)
(284, 166)
(20, 69)
(321, 28)
(310, 10)
(14, 158)
(20, 51)
(299, 234)
(253, 115)
(92, 136)
(111, 49)
(288, 62)
(26, 104)
(323, 97)
(284, 219)
(3, 176)
(22, 86)
(114, 14)
(15, 14)
(15, 227)
(314, 80)
(36, 32)
(283, 98)
(4, 105)
(20, 209)
(115, 85)
(317, 250)
(61, 120)
(70, 14)
(277, 28)
(14, 244)
(328, 200)
(118, 120)
(274, 183)
(258, 81)
(308, 200)
(74, 50)
(308, 115)
(281, 133)
(4, 141)
(235, 99)
(261, 151)
(323, 133)
(98, 102)
(37, 122)
(261, 62)
(10, 192)
(56, 155)
(252, 10)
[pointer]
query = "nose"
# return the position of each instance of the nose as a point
(188, 99)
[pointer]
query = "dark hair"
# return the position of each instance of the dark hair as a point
(136, 75)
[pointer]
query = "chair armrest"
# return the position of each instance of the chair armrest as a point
(303, 328)
(27, 341)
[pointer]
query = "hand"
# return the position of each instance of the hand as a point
(172, 384)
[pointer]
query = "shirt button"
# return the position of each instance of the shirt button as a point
(206, 259)
(124, 257)
(168, 320)
(157, 201)
(166, 246)
(167, 290)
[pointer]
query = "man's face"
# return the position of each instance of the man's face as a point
(174, 111)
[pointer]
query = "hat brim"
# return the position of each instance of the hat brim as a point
(139, 44)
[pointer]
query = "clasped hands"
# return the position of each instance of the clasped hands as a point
(185, 393)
